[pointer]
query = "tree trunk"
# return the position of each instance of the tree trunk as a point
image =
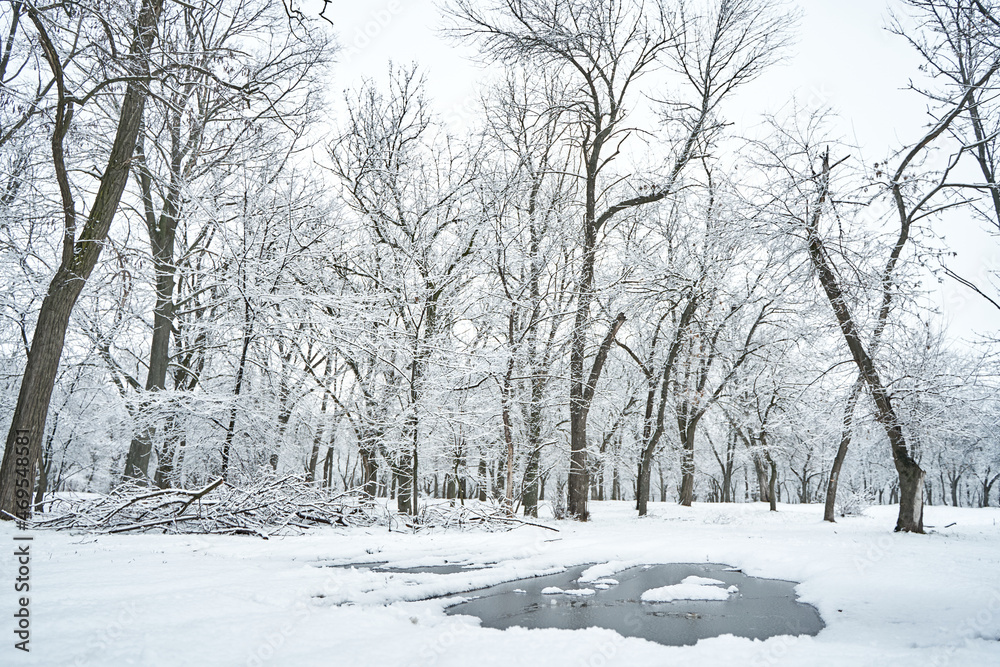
(43, 474)
(402, 474)
(314, 456)
(772, 490)
(328, 468)
(642, 484)
(531, 494)
(646, 455)
(688, 429)
(164, 476)
(727, 473)
(162, 230)
(764, 495)
(582, 395)
(987, 487)
(846, 434)
(414, 478)
(531, 484)
(240, 369)
(508, 435)
(369, 472)
(483, 481)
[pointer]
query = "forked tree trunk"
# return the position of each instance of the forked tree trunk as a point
(988, 483)
(581, 396)
(911, 476)
(954, 479)
(653, 431)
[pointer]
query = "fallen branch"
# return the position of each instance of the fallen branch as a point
(287, 505)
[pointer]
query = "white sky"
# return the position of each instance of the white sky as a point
(843, 57)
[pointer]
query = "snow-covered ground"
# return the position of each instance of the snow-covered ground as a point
(151, 600)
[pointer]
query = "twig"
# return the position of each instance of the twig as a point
(199, 494)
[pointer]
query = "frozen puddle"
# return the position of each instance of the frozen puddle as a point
(675, 604)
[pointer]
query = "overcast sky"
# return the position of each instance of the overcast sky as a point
(843, 57)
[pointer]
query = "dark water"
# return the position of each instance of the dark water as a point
(762, 608)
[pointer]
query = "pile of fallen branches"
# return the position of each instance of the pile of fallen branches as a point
(281, 506)
(491, 518)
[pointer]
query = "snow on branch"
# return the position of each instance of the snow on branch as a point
(491, 518)
(271, 506)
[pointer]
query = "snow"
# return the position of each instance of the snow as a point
(684, 592)
(603, 584)
(555, 590)
(152, 600)
(599, 573)
(690, 588)
(580, 592)
(702, 581)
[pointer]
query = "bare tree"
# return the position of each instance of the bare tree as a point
(82, 243)
(196, 125)
(524, 196)
(407, 180)
(605, 47)
(912, 199)
(957, 42)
